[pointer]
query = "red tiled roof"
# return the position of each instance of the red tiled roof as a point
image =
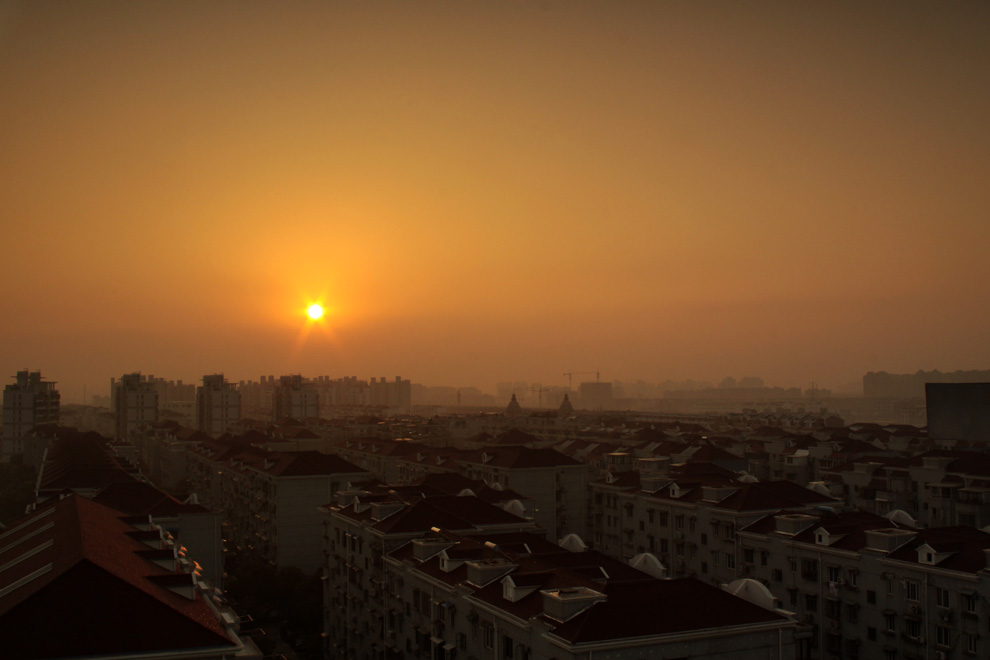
(88, 579)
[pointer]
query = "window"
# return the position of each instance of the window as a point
(942, 636)
(833, 609)
(889, 654)
(810, 602)
(889, 583)
(715, 557)
(941, 597)
(912, 628)
(650, 515)
(507, 647)
(890, 620)
(852, 577)
(793, 564)
(730, 560)
(968, 602)
(871, 634)
(970, 643)
(911, 590)
(871, 597)
(662, 519)
(852, 613)
(704, 567)
(778, 575)
(748, 555)
(488, 635)
(763, 557)
(833, 573)
(663, 545)
(704, 539)
(679, 522)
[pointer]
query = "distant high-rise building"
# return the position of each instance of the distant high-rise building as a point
(218, 405)
(959, 411)
(295, 398)
(596, 395)
(26, 403)
(135, 402)
(396, 394)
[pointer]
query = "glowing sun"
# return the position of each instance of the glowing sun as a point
(315, 311)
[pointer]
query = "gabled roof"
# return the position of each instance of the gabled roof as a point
(965, 546)
(306, 464)
(76, 565)
(518, 457)
(660, 607)
(447, 512)
(138, 498)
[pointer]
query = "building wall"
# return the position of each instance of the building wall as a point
(28, 402)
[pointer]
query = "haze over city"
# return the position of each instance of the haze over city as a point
(483, 192)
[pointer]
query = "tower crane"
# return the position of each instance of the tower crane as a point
(539, 389)
(570, 374)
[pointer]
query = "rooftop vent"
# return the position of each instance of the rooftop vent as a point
(562, 604)
(887, 539)
(794, 523)
(480, 573)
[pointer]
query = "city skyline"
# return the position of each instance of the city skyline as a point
(497, 192)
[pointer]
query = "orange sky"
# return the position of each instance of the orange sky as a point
(494, 191)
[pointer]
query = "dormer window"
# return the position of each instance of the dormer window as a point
(929, 555)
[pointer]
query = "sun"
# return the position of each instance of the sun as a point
(315, 311)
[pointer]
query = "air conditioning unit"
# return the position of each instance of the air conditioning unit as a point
(915, 609)
(940, 655)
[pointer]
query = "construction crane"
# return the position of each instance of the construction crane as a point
(570, 374)
(539, 389)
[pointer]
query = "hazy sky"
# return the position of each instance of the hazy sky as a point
(488, 191)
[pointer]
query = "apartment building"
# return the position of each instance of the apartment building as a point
(451, 596)
(88, 465)
(361, 527)
(162, 452)
(135, 403)
(295, 398)
(270, 499)
(28, 402)
(555, 484)
(687, 517)
(218, 405)
(936, 488)
(379, 456)
(872, 588)
(81, 580)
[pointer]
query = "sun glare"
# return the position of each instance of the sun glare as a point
(315, 311)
